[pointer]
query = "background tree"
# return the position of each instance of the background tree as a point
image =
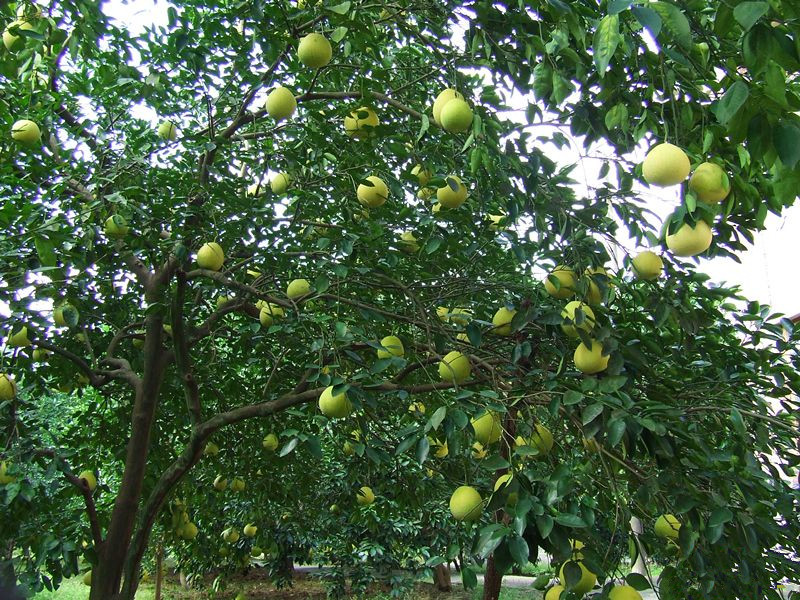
(107, 215)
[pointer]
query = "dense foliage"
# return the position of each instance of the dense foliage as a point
(149, 357)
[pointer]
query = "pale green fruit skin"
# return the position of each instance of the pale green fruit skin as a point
(25, 132)
(4, 477)
(594, 296)
(590, 360)
(365, 496)
(40, 355)
(504, 479)
(238, 484)
(230, 535)
(444, 97)
(466, 504)
(15, 42)
(280, 183)
(554, 593)
(314, 51)
(250, 530)
(456, 116)
(667, 526)
(542, 439)
(280, 103)
(569, 313)
(270, 442)
(116, 226)
(8, 387)
(647, 265)
(422, 174)
(58, 314)
(408, 243)
(211, 449)
(393, 345)
(334, 407)
(450, 199)
(210, 256)
(501, 321)
(710, 183)
(587, 581)
(220, 483)
(666, 165)
(189, 531)
(348, 449)
(488, 428)
(255, 190)
(359, 124)
(375, 195)
(568, 279)
(91, 480)
(168, 131)
(28, 11)
(87, 578)
(298, 288)
(20, 339)
(690, 241)
(270, 312)
(454, 367)
(624, 592)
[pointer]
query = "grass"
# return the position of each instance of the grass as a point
(257, 588)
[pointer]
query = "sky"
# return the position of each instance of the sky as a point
(767, 272)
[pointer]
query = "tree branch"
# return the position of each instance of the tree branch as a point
(182, 358)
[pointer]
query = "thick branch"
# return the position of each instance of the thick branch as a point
(182, 359)
(91, 510)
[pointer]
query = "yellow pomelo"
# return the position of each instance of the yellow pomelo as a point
(496, 222)
(665, 165)
(590, 360)
(26, 11)
(450, 198)
(488, 428)
(393, 347)
(348, 449)
(116, 226)
(298, 288)
(594, 275)
(230, 535)
(585, 584)
(365, 496)
(478, 451)
(269, 312)
(335, 407)
(423, 175)
(250, 530)
(542, 439)
(501, 321)
(442, 100)
(8, 387)
(460, 316)
(408, 243)
(456, 116)
(211, 449)
(647, 265)
(624, 592)
(167, 131)
(210, 256)
(237, 485)
(690, 241)
(5, 478)
(504, 481)
(667, 526)
(360, 122)
(14, 42)
(567, 280)
(89, 478)
(554, 593)
(280, 183)
(280, 103)
(568, 314)
(87, 578)
(256, 190)
(454, 367)
(710, 183)
(220, 483)
(577, 546)
(65, 314)
(25, 132)
(270, 442)
(466, 504)
(314, 51)
(19, 339)
(373, 195)
(189, 531)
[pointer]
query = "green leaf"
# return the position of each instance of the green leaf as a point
(737, 421)
(474, 334)
(424, 126)
(747, 13)
(437, 417)
(45, 251)
(544, 523)
(616, 429)
(518, 548)
(572, 397)
(572, 573)
(495, 463)
(786, 137)
(338, 34)
(469, 578)
(720, 516)
(289, 447)
(405, 444)
(433, 244)
(591, 412)
(637, 581)
(340, 9)
(648, 18)
(617, 6)
(605, 42)
(570, 520)
(674, 21)
(423, 447)
(731, 102)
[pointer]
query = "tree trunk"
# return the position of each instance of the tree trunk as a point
(492, 581)
(441, 577)
(159, 567)
(107, 575)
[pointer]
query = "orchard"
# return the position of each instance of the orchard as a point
(328, 282)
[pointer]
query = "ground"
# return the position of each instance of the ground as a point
(256, 588)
